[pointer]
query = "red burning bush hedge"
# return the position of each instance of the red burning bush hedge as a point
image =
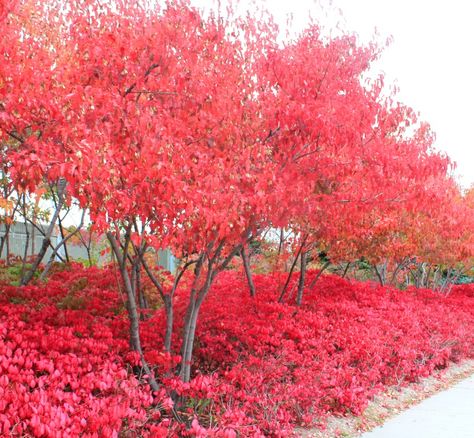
(261, 367)
(280, 364)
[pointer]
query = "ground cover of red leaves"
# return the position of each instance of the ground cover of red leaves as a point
(261, 367)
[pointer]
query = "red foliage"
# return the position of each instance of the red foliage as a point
(62, 370)
(263, 366)
(279, 364)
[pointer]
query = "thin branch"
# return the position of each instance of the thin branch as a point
(157, 93)
(61, 243)
(315, 279)
(15, 136)
(153, 278)
(283, 291)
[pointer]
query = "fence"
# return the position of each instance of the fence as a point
(20, 233)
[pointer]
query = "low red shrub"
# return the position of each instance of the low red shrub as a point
(278, 364)
(261, 367)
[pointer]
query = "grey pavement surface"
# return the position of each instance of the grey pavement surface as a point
(448, 414)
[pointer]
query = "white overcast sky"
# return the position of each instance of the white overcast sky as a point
(431, 58)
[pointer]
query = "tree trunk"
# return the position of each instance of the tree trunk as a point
(135, 342)
(453, 279)
(8, 250)
(33, 248)
(169, 323)
(196, 299)
(167, 301)
(87, 245)
(427, 278)
(248, 272)
(299, 295)
(282, 238)
(60, 223)
(4, 239)
(447, 284)
(25, 252)
(89, 257)
(63, 240)
(346, 270)
(188, 342)
(47, 238)
(142, 301)
(423, 274)
(435, 277)
(380, 274)
(315, 279)
(396, 271)
(198, 294)
(288, 278)
(190, 324)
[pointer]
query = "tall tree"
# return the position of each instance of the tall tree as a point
(195, 133)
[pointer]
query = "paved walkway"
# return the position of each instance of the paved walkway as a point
(448, 414)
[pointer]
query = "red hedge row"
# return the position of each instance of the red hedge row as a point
(278, 364)
(263, 367)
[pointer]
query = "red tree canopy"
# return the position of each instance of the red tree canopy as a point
(203, 129)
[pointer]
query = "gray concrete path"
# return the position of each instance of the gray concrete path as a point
(448, 414)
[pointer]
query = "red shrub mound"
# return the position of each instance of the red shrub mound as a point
(62, 369)
(65, 369)
(279, 364)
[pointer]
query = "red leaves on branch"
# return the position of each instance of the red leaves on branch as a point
(205, 129)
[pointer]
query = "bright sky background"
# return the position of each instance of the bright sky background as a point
(431, 58)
